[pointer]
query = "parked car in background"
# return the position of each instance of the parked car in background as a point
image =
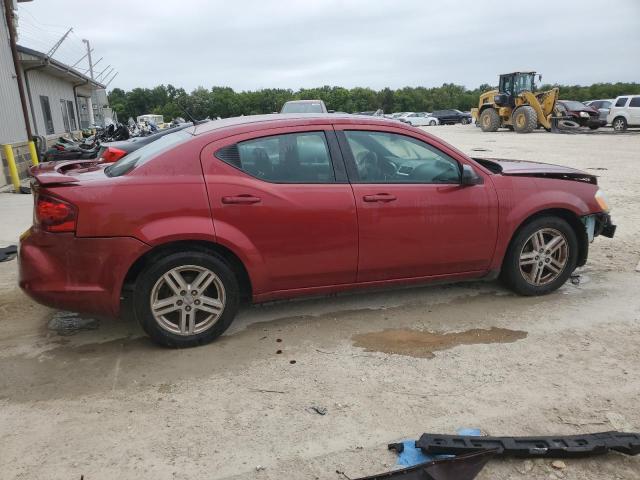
(418, 119)
(580, 113)
(395, 115)
(304, 106)
(371, 113)
(603, 106)
(625, 112)
(450, 117)
(114, 151)
(277, 206)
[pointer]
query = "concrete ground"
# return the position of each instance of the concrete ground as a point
(106, 403)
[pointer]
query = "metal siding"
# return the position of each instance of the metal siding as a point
(12, 128)
(42, 83)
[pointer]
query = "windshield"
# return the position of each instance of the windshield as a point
(572, 105)
(146, 153)
(306, 107)
(524, 82)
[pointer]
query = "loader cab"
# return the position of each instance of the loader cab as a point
(512, 84)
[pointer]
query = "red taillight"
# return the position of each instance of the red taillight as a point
(55, 215)
(112, 154)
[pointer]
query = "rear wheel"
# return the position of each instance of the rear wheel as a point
(541, 256)
(524, 119)
(186, 299)
(489, 120)
(619, 124)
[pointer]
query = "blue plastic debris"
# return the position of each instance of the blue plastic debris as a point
(411, 455)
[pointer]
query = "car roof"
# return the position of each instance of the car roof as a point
(285, 119)
(303, 101)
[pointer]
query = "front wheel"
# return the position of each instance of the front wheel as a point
(432, 123)
(541, 257)
(619, 124)
(186, 299)
(524, 119)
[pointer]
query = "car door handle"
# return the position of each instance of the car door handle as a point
(241, 199)
(379, 197)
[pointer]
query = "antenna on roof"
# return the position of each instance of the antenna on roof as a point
(188, 113)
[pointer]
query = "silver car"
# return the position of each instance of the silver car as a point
(603, 106)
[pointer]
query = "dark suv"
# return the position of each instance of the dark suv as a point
(450, 117)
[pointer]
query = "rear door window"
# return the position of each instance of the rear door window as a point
(635, 102)
(621, 102)
(290, 158)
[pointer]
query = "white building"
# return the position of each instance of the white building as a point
(58, 98)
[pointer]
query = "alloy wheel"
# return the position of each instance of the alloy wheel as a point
(618, 125)
(544, 256)
(187, 300)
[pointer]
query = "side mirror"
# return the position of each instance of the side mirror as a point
(470, 177)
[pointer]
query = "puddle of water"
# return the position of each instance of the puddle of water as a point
(421, 344)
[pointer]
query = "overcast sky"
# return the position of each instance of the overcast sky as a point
(249, 45)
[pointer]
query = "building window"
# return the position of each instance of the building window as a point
(72, 115)
(46, 112)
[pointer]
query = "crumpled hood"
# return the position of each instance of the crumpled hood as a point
(527, 168)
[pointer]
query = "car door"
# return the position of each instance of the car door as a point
(281, 196)
(415, 218)
(634, 111)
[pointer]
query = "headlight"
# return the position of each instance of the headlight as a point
(584, 114)
(602, 201)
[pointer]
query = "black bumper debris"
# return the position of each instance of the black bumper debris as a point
(463, 467)
(570, 446)
(604, 226)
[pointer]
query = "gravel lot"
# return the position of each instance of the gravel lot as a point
(106, 403)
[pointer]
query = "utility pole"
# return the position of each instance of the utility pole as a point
(58, 43)
(90, 106)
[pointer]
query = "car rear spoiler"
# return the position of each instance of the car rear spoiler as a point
(59, 173)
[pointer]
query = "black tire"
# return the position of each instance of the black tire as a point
(464, 121)
(524, 119)
(143, 296)
(512, 274)
(594, 127)
(619, 124)
(432, 123)
(489, 120)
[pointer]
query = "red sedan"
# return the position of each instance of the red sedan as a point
(276, 206)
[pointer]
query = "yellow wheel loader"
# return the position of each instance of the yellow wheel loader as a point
(516, 105)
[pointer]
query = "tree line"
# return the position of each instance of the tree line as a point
(226, 102)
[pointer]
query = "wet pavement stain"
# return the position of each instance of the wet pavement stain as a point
(422, 344)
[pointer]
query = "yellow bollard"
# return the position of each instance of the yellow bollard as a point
(33, 153)
(13, 170)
